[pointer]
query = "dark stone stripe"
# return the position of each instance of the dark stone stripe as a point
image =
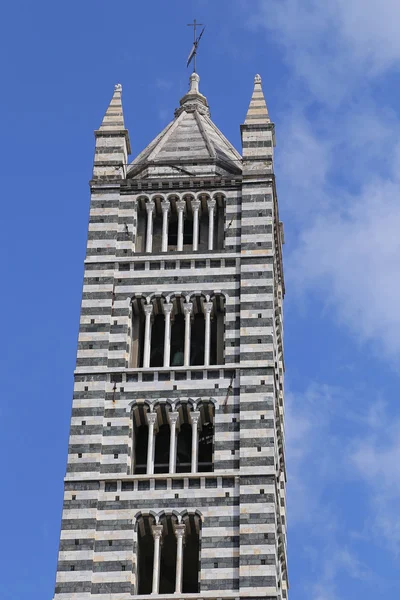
(73, 587)
(114, 449)
(165, 503)
(257, 229)
(112, 588)
(258, 143)
(258, 581)
(256, 245)
(117, 468)
(225, 562)
(81, 486)
(83, 467)
(254, 461)
(78, 524)
(256, 356)
(220, 584)
(227, 541)
(256, 539)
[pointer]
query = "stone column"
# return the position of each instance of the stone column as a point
(195, 416)
(173, 419)
(151, 420)
(207, 334)
(149, 236)
(187, 309)
(167, 333)
(180, 533)
(157, 533)
(211, 209)
(148, 311)
(180, 207)
(165, 207)
(195, 208)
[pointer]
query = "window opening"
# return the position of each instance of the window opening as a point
(157, 232)
(177, 341)
(161, 456)
(173, 232)
(188, 232)
(168, 559)
(141, 230)
(137, 339)
(157, 342)
(141, 439)
(184, 449)
(197, 340)
(146, 557)
(190, 580)
(206, 440)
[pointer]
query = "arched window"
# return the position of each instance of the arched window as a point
(172, 439)
(172, 331)
(202, 220)
(168, 550)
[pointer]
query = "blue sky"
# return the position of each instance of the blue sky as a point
(331, 74)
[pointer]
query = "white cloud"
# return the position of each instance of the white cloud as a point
(338, 160)
(332, 45)
(376, 459)
(318, 450)
(353, 255)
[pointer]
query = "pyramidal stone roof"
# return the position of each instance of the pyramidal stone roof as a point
(258, 111)
(114, 118)
(191, 142)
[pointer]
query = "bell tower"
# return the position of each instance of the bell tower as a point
(175, 483)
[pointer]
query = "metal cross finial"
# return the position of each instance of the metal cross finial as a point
(196, 40)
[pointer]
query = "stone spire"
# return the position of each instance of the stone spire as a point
(193, 100)
(114, 117)
(258, 137)
(112, 141)
(258, 111)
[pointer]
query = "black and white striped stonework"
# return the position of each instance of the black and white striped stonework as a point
(235, 506)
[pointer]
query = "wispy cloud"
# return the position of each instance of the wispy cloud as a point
(375, 456)
(163, 84)
(321, 455)
(339, 182)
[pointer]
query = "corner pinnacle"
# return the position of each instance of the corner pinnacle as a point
(114, 117)
(257, 113)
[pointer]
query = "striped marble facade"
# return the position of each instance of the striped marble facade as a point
(241, 503)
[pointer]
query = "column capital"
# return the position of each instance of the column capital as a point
(187, 308)
(211, 204)
(196, 205)
(208, 306)
(194, 417)
(150, 205)
(157, 531)
(179, 530)
(148, 309)
(168, 306)
(165, 206)
(151, 418)
(180, 205)
(173, 417)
